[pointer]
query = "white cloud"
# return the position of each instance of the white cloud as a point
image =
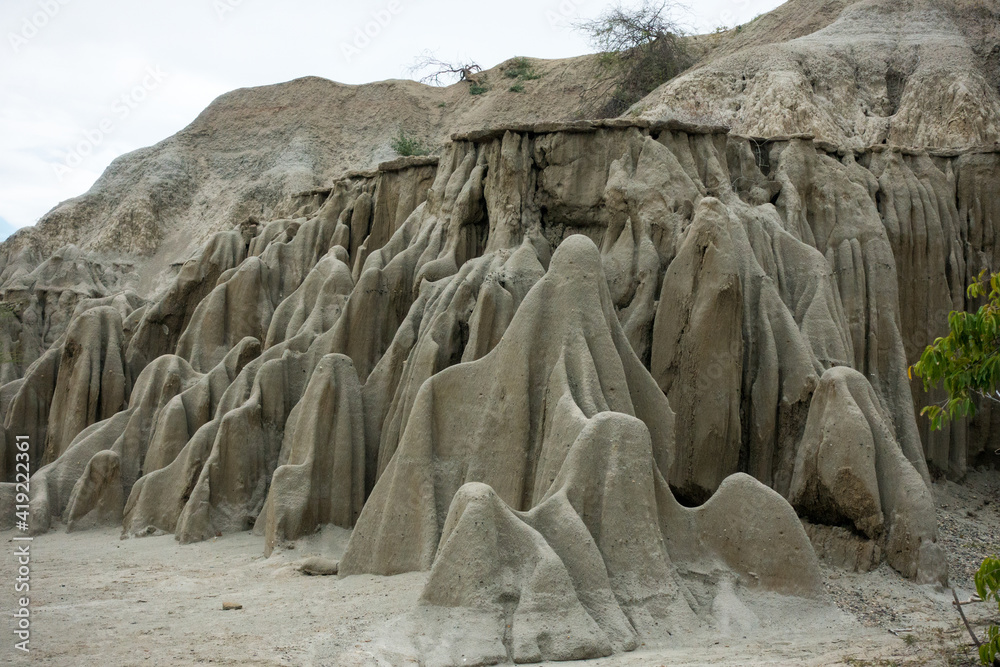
(60, 84)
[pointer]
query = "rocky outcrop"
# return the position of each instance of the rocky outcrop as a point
(550, 528)
(92, 385)
(28, 402)
(508, 419)
(161, 323)
(222, 464)
(940, 215)
(727, 300)
(597, 378)
(274, 149)
(851, 471)
(914, 74)
(320, 478)
(97, 498)
(910, 92)
(41, 298)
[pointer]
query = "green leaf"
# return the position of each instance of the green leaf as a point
(988, 579)
(967, 360)
(991, 645)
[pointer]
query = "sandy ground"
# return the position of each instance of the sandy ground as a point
(98, 600)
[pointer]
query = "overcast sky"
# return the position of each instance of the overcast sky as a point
(83, 81)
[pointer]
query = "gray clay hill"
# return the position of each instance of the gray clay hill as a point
(589, 375)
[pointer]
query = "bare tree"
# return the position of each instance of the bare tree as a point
(443, 72)
(639, 49)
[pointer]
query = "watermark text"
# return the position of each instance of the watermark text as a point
(363, 35)
(33, 24)
(121, 109)
(22, 545)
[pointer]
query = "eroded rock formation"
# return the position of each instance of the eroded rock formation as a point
(594, 377)
(572, 325)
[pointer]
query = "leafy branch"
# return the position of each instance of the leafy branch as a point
(988, 589)
(967, 360)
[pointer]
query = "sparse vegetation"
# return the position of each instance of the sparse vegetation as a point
(639, 50)
(517, 88)
(406, 145)
(479, 86)
(437, 72)
(521, 69)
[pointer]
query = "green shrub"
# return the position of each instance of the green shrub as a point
(406, 145)
(988, 589)
(479, 87)
(517, 88)
(967, 360)
(639, 49)
(521, 69)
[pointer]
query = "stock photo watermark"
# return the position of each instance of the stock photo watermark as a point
(33, 24)
(564, 15)
(726, 20)
(121, 109)
(223, 7)
(363, 35)
(22, 545)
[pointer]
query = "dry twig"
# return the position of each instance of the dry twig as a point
(958, 605)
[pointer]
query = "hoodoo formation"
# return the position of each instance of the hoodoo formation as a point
(590, 375)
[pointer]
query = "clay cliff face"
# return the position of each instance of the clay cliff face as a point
(912, 92)
(544, 317)
(592, 375)
(252, 149)
(917, 73)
